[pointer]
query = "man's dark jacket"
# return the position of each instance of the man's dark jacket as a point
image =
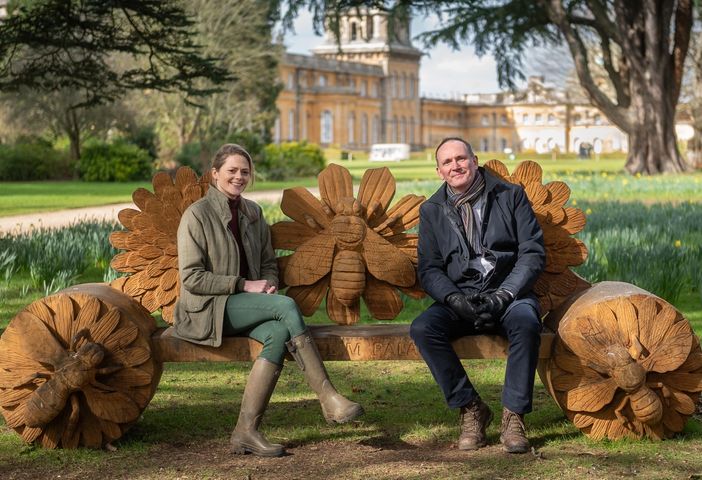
(511, 238)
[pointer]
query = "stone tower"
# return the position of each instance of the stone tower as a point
(366, 37)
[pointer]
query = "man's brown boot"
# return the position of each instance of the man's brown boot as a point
(475, 418)
(513, 435)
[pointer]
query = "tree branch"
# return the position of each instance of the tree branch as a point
(579, 53)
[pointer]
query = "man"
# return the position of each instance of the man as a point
(480, 252)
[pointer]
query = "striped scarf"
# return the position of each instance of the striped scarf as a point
(463, 202)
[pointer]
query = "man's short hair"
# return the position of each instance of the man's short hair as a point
(471, 154)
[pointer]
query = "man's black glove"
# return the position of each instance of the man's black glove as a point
(492, 306)
(462, 306)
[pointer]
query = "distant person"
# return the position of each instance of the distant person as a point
(480, 251)
(229, 281)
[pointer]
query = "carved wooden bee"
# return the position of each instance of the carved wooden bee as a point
(68, 372)
(347, 248)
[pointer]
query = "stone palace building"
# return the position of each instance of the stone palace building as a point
(364, 90)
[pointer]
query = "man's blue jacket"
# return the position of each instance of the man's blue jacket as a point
(511, 238)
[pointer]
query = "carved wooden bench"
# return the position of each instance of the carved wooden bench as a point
(78, 368)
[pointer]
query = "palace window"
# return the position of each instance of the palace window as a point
(351, 127)
(364, 129)
(327, 127)
(291, 125)
(485, 120)
(538, 119)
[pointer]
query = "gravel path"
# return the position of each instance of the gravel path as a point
(23, 223)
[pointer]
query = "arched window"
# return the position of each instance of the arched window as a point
(551, 119)
(364, 129)
(364, 88)
(322, 81)
(503, 144)
(484, 120)
(525, 119)
(354, 31)
(327, 127)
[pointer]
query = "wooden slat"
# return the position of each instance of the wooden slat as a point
(336, 342)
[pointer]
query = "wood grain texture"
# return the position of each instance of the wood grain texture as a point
(76, 368)
(625, 364)
(347, 244)
(558, 223)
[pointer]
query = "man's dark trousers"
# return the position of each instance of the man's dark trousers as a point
(437, 326)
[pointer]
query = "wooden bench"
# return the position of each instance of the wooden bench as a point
(338, 343)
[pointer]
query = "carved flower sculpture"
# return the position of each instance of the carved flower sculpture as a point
(75, 370)
(347, 248)
(627, 367)
(558, 223)
(149, 241)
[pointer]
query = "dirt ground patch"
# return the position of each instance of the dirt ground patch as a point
(360, 460)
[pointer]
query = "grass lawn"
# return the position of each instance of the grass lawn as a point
(407, 431)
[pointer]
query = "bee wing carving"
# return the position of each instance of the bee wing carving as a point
(112, 406)
(386, 262)
(311, 261)
(29, 336)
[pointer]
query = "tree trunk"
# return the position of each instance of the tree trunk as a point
(73, 132)
(652, 142)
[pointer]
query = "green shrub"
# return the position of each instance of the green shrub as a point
(114, 162)
(32, 159)
(291, 160)
(198, 156)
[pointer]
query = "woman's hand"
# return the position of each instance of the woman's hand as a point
(259, 286)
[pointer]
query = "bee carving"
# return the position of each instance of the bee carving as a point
(70, 379)
(349, 249)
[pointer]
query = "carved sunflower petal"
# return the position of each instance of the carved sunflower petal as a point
(382, 299)
(568, 382)
(30, 434)
(28, 335)
(309, 297)
(582, 420)
(683, 402)
(185, 176)
(160, 182)
(406, 243)
(415, 291)
(568, 253)
(599, 429)
(303, 207)
(120, 262)
(584, 338)
(9, 397)
(657, 322)
(340, 313)
(693, 362)
(101, 330)
(627, 319)
(63, 316)
(560, 193)
(118, 239)
(672, 420)
(290, 235)
(498, 168)
(335, 183)
(573, 365)
(672, 351)
(140, 196)
(52, 433)
(401, 217)
(527, 172)
(89, 311)
(536, 193)
(126, 217)
(575, 220)
(687, 382)
(377, 185)
(113, 406)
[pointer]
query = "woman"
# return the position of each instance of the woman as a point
(229, 278)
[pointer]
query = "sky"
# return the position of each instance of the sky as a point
(443, 73)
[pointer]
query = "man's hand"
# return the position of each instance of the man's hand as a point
(492, 306)
(462, 306)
